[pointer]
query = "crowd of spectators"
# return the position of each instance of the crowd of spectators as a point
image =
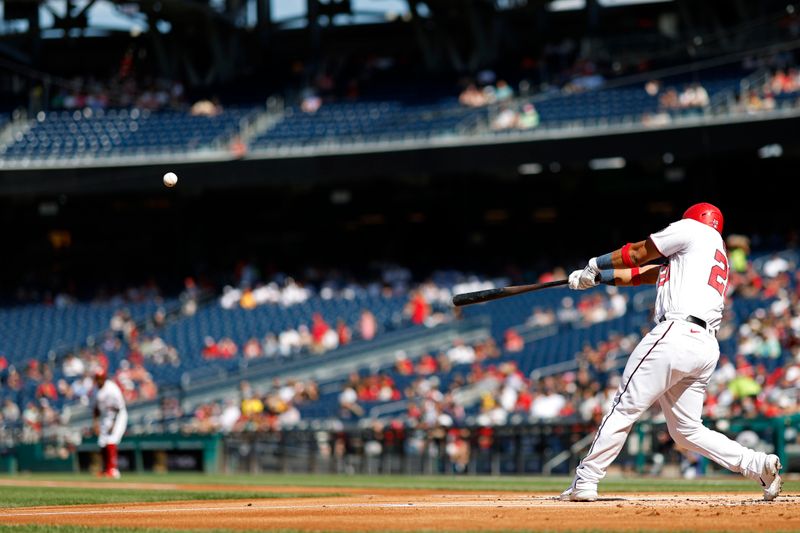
(742, 386)
(510, 118)
(45, 389)
(253, 409)
(317, 338)
(472, 379)
(121, 91)
(672, 99)
(485, 91)
(691, 96)
(762, 378)
(763, 97)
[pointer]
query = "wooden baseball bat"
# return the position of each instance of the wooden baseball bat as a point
(487, 295)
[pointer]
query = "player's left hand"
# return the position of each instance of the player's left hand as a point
(575, 280)
(584, 279)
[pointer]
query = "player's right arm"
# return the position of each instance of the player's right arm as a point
(620, 267)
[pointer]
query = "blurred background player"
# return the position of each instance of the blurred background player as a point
(110, 421)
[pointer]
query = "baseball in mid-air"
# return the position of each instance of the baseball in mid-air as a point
(170, 179)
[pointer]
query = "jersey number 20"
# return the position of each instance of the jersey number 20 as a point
(719, 273)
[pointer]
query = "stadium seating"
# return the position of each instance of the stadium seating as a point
(559, 346)
(367, 122)
(51, 330)
(370, 122)
(76, 134)
(240, 325)
(132, 132)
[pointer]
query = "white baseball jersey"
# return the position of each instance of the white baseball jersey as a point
(696, 277)
(113, 413)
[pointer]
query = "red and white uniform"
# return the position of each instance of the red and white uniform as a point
(696, 277)
(673, 363)
(113, 414)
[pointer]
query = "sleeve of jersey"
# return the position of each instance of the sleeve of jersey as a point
(672, 239)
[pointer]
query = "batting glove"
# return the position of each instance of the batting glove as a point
(588, 276)
(575, 280)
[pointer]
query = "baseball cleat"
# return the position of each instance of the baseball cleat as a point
(770, 478)
(573, 494)
(112, 473)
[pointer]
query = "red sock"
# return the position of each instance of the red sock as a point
(112, 457)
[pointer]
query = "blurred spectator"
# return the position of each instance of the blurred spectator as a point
(367, 325)
(72, 366)
(529, 118)
(652, 87)
(505, 119)
(738, 252)
(461, 353)
(403, 365)
(343, 333)
(248, 299)
(348, 402)
(418, 309)
(503, 91)
(318, 330)
(693, 96)
(10, 412)
(206, 108)
(548, 403)
(513, 342)
(189, 296)
(567, 313)
(426, 365)
(775, 265)
(310, 102)
(289, 342)
(669, 99)
(252, 349)
(270, 346)
(471, 96)
(541, 317)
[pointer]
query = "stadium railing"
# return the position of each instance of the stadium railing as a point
(523, 447)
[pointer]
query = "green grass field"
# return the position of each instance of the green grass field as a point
(477, 483)
(243, 487)
(38, 496)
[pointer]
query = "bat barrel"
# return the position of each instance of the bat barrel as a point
(502, 292)
(478, 296)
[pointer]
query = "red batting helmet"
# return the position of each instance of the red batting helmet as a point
(706, 213)
(100, 373)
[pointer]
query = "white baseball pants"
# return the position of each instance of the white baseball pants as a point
(671, 365)
(112, 429)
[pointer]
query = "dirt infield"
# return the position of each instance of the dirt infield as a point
(410, 510)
